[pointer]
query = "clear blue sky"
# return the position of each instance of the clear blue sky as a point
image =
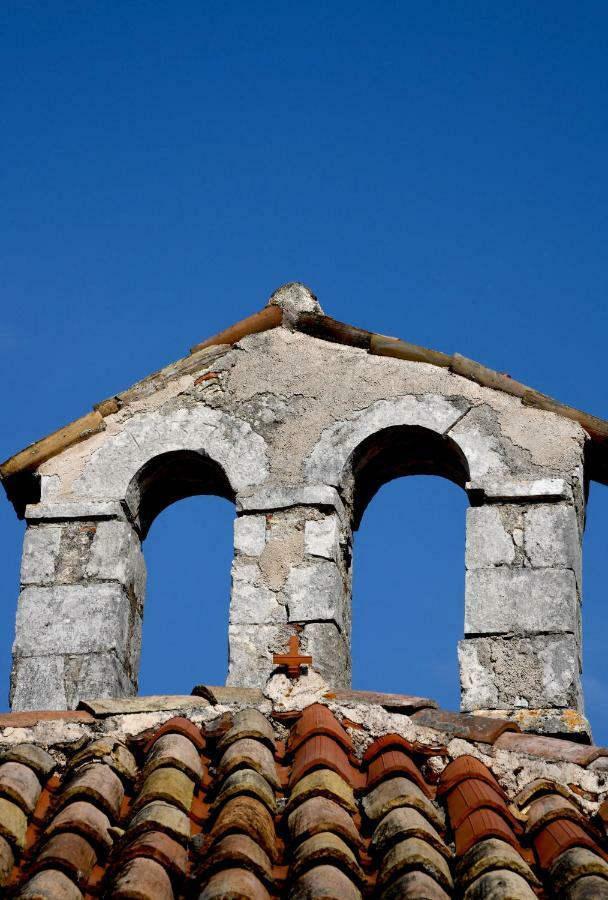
(432, 170)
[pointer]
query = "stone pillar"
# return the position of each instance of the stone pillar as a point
(291, 572)
(78, 631)
(522, 643)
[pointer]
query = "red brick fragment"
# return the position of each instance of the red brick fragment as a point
(142, 879)
(69, 852)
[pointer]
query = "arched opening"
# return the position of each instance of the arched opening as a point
(595, 621)
(408, 563)
(187, 546)
(188, 553)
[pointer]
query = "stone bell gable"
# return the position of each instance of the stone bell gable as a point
(299, 419)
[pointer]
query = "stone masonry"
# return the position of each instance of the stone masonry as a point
(299, 432)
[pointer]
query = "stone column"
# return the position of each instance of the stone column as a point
(291, 572)
(78, 631)
(522, 644)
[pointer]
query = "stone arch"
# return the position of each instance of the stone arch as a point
(397, 451)
(224, 439)
(330, 461)
(170, 477)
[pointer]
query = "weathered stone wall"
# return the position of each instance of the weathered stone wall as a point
(284, 417)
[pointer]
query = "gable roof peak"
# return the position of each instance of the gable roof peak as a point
(294, 298)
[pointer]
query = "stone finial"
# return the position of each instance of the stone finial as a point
(295, 298)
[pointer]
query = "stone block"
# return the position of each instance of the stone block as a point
(74, 509)
(73, 619)
(551, 537)
(322, 538)
(40, 554)
(509, 672)
(60, 682)
(251, 601)
(330, 653)
(315, 591)
(520, 601)
(532, 489)
(250, 535)
(250, 652)
(285, 496)
(116, 555)
(488, 542)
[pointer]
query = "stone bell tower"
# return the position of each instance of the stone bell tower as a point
(298, 420)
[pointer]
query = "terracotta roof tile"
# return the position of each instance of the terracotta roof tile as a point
(551, 748)
(474, 794)
(490, 855)
(248, 816)
(41, 762)
(397, 792)
(50, 885)
(588, 888)
(142, 879)
(402, 823)
(20, 784)
(387, 742)
(462, 768)
(559, 836)
(318, 720)
(576, 863)
(7, 861)
(251, 753)
(70, 853)
(248, 723)
(471, 728)
(324, 881)
(237, 850)
(413, 853)
(481, 824)
(160, 847)
(183, 812)
(322, 815)
(98, 783)
(319, 751)
(500, 883)
(545, 809)
(414, 886)
(322, 848)
(13, 823)
(394, 762)
(86, 819)
(323, 783)
(234, 883)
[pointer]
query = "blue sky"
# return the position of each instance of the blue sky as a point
(435, 171)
